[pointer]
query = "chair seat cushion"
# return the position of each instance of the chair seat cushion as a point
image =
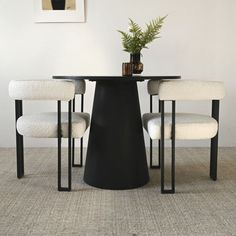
(44, 125)
(188, 126)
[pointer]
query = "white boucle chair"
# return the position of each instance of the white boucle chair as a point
(182, 126)
(49, 124)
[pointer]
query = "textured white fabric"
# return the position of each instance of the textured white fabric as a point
(44, 125)
(191, 90)
(80, 86)
(153, 87)
(188, 126)
(41, 90)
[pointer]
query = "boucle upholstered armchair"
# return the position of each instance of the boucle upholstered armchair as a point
(185, 126)
(49, 124)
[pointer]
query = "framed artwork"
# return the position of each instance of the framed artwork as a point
(59, 10)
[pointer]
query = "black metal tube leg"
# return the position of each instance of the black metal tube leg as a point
(214, 142)
(150, 138)
(213, 160)
(151, 166)
(162, 145)
(159, 142)
(73, 140)
(151, 144)
(69, 145)
(81, 152)
(159, 153)
(59, 144)
(173, 149)
(19, 142)
(81, 140)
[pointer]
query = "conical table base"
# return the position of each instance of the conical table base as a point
(116, 157)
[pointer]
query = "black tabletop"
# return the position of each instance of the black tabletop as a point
(136, 77)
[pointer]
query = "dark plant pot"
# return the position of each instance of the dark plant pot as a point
(58, 4)
(137, 64)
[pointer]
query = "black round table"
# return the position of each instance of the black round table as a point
(116, 156)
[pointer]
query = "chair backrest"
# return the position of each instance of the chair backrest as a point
(191, 90)
(80, 86)
(41, 90)
(153, 87)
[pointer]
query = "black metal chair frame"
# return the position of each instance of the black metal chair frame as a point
(20, 143)
(151, 141)
(81, 139)
(213, 148)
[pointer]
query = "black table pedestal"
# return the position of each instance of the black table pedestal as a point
(116, 157)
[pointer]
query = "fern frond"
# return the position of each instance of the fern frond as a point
(134, 28)
(137, 39)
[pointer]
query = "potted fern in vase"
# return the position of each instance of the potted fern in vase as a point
(137, 39)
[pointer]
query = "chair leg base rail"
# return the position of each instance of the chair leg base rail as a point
(62, 189)
(168, 191)
(154, 166)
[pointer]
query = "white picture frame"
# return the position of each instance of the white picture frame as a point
(46, 16)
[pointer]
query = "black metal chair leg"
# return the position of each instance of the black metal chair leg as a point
(59, 144)
(159, 142)
(60, 188)
(81, 140)
(159, 154)
(162, 142)
(69, 145)
(150, 157)
(214, 142)
(81, 153)
(151, 152)
(73, 153)
(213, 158)
(73, 140)
(173, 149)
(19, 142)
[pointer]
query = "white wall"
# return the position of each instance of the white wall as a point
(198, 42)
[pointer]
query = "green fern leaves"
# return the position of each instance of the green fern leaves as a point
(137, 39)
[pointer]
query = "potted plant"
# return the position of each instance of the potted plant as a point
(136, 39)
(58, 4)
